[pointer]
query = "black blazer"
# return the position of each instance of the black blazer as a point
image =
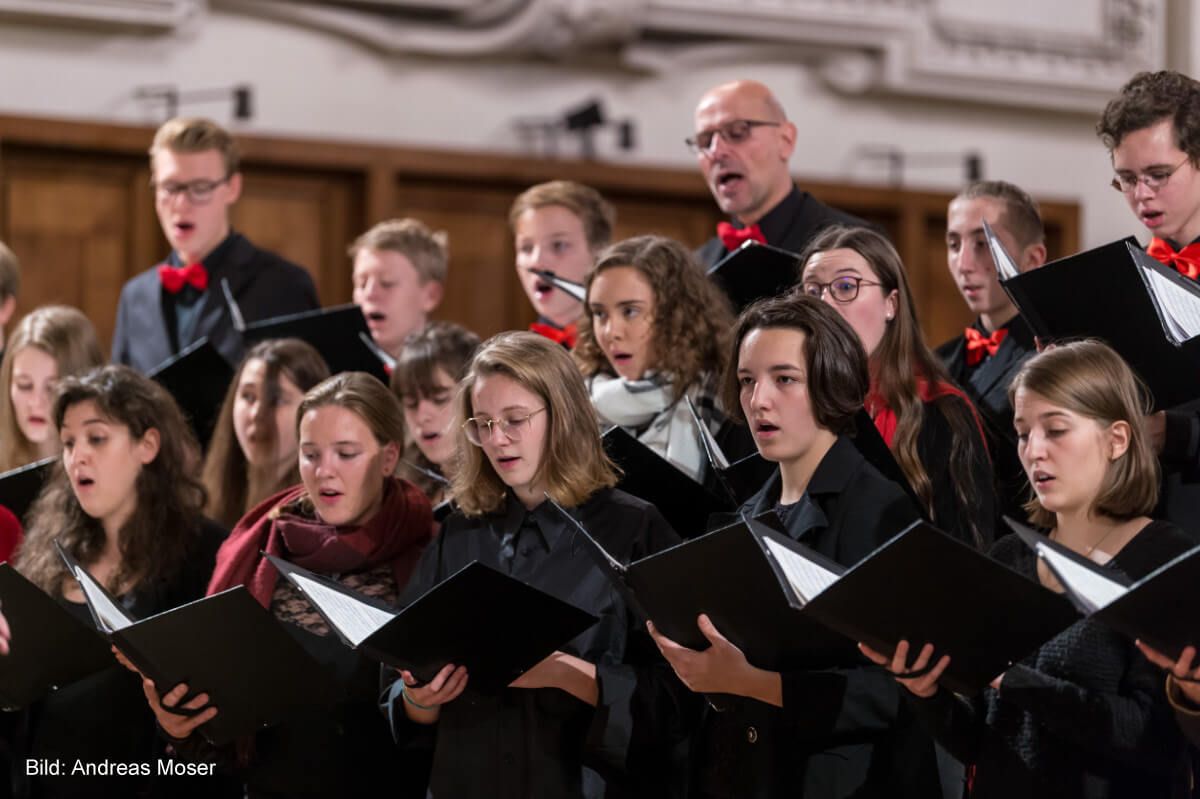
(790, 225)
(263, 284)
(842, 731)
(986, 383)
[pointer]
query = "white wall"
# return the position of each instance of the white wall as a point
(312, 84)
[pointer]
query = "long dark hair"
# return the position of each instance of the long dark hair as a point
(233, 487)
(157, 537)
(899, 361)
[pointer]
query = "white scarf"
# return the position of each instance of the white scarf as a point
(635, 403)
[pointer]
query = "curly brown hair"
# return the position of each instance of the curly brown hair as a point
(163, 528)
(691, 316)
(1147, 99)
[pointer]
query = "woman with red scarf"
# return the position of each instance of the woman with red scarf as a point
(929, 424)
(351, 520)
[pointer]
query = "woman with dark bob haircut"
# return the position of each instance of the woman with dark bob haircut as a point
(124, 502)
(1085, 714)
(798, 376)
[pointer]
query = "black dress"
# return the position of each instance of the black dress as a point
(544, 742)
(1084, 716)
(842, 731)
(103, 720)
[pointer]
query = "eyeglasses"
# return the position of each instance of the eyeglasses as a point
(1155, 179)
(479, 430)
(198, 191)
(841, 289)
(734, 132)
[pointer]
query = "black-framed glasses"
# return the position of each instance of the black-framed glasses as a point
(198, 191)
(479, 430)
(1155, 178)
(733, 132)
(842, 289)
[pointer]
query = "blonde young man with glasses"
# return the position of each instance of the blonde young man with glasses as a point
(196, 180)
(743, 142)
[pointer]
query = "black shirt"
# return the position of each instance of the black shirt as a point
(841, 731)
(535, 743)
(1083, 716)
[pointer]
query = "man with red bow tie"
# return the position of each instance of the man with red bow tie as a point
(743, 142)
(195, 177)
(1152, 132)
(988, 355)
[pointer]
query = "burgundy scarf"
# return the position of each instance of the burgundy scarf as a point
(885, 418)
(285, 526)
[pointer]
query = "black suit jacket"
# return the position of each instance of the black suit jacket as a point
(790, 225)
(986, 383)
(842, 732)
(263, 284)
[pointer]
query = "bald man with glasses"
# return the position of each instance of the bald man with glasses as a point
(196, 180)
(743, 142)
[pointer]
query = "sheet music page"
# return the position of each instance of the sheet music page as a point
(111, 616)
(1006, 268)
(807, 579)
(356, 620)
(1180, 306)
(1095, 590)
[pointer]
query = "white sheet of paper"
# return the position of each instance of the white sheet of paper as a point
(1095, 590)
(807, 579)
(111, 616)
(1006, 269)
(1180, 306)
(355, 619)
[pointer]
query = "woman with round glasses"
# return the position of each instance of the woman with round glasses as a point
(528, 433)
(654, 332)
(928, 423)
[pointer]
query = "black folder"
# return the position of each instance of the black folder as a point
(1100, 293)
(50, 647)
(226, 645)
(340, 334)
(754, 271)
(197, 378)
(925, 587)
(494, 625)
(21, 486)
(568, 287)
(725, 574)
(1162, 609)
(683, 502)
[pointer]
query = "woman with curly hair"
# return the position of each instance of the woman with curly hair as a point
(654, 331)
(124, 502)
(928, 422)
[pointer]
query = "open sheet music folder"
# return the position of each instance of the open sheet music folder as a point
(1103, 293)
(754, 271)
(227, 646)
(924, 586)
(727, 575)
(50, 646)
(495, 625)
(1162, 608)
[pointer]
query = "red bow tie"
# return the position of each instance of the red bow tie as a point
(1187, 260)
(733, 237)
(175, 278)
(978, 344)
(560, 335)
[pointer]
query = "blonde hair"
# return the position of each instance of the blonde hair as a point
(67, 336)
(1088, 378)
(429, 252)
(573, 463)
(366, 397)
(196, 135)
(597, 215)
